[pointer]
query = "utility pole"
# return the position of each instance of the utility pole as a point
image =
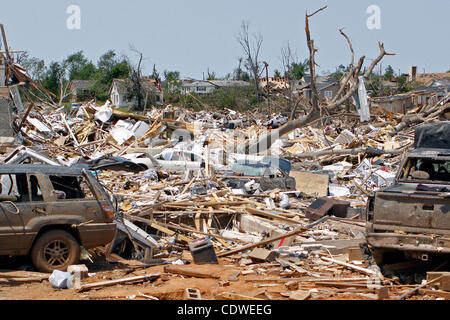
(267, 81)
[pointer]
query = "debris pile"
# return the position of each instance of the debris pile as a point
(233, 203)
(289, 221)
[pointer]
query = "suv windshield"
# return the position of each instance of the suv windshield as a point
(419, 169)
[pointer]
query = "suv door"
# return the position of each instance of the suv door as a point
(22, 199)
(73, 195)
(34, 213)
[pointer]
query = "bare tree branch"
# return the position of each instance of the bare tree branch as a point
(349, 74)
(251, 51)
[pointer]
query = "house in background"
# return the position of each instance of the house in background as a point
(119, 92)
(399, 103)
(80, 90)
(208, 86)
(327, 87)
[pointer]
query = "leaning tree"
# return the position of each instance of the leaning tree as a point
(348, 87)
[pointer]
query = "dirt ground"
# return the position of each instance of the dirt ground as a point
(168, 286)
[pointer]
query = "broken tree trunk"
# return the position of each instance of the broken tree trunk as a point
(265, 142)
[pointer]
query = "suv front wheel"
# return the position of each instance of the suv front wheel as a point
(55, 250)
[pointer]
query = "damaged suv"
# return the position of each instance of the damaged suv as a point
(411, 218)
(49, 212)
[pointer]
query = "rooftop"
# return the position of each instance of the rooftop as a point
(215, 83)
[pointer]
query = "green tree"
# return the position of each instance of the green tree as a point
(388, 73)
(276, 73)
(340, 70)
(211, 75)
(298, 69)
(172, 80)
(109, 67)
(35, 67)
(79, 67)
(403, 85)
(54, 77)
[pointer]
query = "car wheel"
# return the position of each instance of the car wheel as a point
(55, 250)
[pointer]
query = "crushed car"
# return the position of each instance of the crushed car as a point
(411, 218)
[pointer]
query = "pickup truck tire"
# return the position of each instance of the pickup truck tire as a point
(55, 250)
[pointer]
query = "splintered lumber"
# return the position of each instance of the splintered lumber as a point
(351, 266)
(22, 274)
(102, 284)
(368, 151)
(342, 284)
(22, 280)
(186, 271)
(297, 268)
(11, 277)
(70, 130)
(270, 240)
(419, 287)
(436, 293)
(269, 215)
(235, 296)
(25, 117)
(170, 232)
(155, 225)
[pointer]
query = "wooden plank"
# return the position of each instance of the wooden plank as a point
(21, 274)
(102, 284)
(445, 283)
(270, 215)
(186, 270)
(342, 284)
(302, 279)
(22, 280)
(170, 232)
(431, 275)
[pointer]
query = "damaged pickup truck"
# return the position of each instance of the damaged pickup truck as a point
(49, 212)
(410, 220)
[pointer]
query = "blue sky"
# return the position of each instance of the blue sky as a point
(192, 36)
